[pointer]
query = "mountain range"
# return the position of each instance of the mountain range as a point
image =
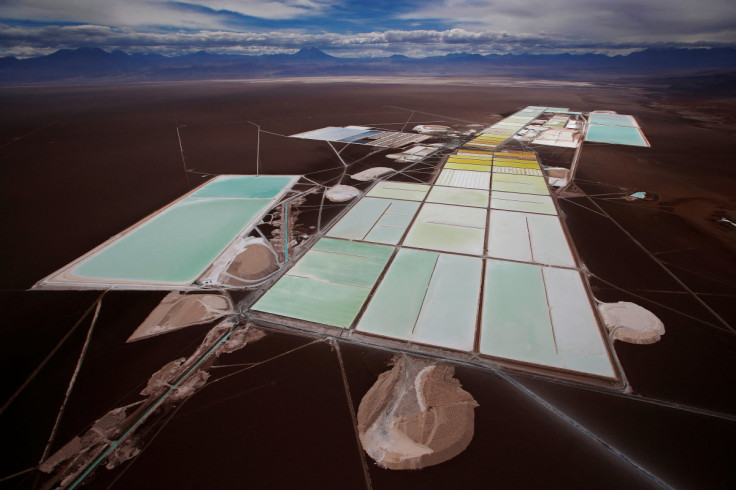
(94, 64)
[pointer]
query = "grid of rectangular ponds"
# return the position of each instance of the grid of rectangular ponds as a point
(478, 262)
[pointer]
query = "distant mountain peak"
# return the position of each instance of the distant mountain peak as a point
(90, 49)
(83, 52)
(312, 53)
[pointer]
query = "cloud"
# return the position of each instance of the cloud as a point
(592, 20)
(146, 13)
(266, 9)
(365, 28)
(29, 40)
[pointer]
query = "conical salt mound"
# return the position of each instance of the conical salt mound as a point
(416, 415)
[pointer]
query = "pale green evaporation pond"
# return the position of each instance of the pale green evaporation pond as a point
(528, 237)
(376, 220)
(541, 315)
(522, 184)
(459, 197)
(399, 190)
(329, 284)
(447, 228)
(427, 297)
(528, 203)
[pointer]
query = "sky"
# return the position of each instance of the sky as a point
(364, 28)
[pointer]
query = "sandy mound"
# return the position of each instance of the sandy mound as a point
(416, 415)
(178, 310)
(257, 261)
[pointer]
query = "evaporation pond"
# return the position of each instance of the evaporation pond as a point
(541, 315)
(427, 297)
(617, 135)
(376, 220)
(445, 228)
(613, 119)
(329, 284)
(176, 244)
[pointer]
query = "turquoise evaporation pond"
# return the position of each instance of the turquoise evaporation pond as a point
(617, 135)
(245, 187)
(613, 120)
(177, 245)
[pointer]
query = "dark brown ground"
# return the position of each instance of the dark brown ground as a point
(82, 163)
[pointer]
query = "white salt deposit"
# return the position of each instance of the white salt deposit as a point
(631, 323)
(371, 174)
(341, 193)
